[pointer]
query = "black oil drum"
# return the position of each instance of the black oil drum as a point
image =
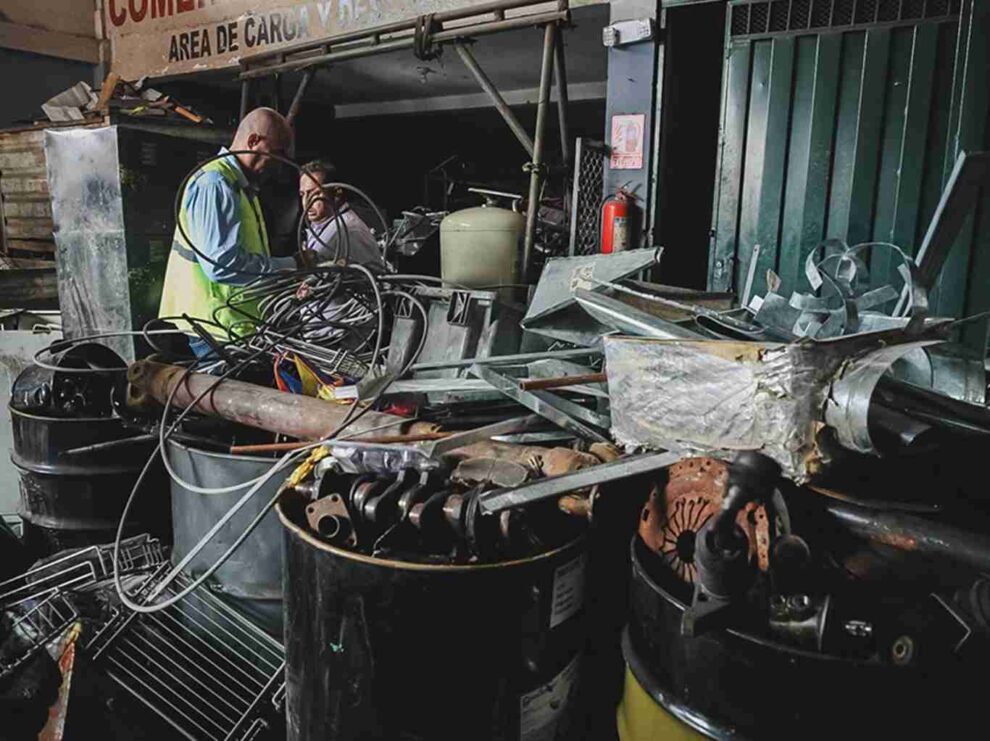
(77, 459)
(739, 685)
(381, 649)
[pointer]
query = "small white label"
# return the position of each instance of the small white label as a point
(620, 234)
(568, 591)
(541, 710)
(581, 277)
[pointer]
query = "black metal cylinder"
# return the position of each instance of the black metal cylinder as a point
(379, 649)
(78, 461)
(730, 683)
(69, 500)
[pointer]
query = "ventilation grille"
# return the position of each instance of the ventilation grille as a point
(781, 16)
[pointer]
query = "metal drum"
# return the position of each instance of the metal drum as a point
(252, 576)
(734, 684)
(78, 461)
(396, 650)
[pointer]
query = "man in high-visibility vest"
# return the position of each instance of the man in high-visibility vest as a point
(221, 217)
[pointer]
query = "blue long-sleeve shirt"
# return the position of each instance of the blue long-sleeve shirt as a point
(214, 226)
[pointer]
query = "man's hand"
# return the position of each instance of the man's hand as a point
(305, 260)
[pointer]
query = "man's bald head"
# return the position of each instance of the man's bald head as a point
(263, 130)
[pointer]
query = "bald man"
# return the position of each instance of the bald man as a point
(220, 216)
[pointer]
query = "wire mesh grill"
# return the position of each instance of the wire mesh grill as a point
(81, 568)
(750, 18)
(586, 200)
(36, 626)
(198, 664)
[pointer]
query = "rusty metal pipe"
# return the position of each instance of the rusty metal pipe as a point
(246, 403)
(562, 381)
(914, 535)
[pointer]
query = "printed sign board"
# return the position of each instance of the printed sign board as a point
(626, 141)
(156, 38)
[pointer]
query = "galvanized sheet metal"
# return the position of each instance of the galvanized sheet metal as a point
(849, 131)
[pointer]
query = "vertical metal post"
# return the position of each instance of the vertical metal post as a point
(245, 98)
(560, 74)
(536, 171)
(300, 92)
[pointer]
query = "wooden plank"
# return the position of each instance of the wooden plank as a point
(50, 43)
(18, 140)
(28, 229)
(27, 262)
(30, 245)
(33, 209)
(23, 159)
(26, 185)
(34, 288)
(732, 148)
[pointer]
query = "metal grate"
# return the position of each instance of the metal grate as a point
(81, 568)
(586, 199)
(35, 627)
(198, 664)
(782, 16)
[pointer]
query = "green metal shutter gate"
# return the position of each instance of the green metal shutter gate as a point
(842, 118)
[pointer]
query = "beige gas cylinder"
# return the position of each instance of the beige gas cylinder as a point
(481, 246)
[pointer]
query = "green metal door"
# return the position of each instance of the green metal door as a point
(842, 118)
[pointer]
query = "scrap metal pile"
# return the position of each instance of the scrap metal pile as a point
(807, 467)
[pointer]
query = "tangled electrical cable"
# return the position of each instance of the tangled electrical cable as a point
(333, 316)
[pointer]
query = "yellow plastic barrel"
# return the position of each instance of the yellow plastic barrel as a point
(641, 718)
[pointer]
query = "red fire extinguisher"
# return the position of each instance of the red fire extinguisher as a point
(616, 222)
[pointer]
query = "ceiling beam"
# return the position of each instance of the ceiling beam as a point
(50, 43)
(576, 92)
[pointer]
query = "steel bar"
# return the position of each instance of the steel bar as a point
(578, 352)
(285, 447)
(970, 172)
(407, 42)
(300, 94)
(497, 100)
(542, 489)
(560, 77)
(630, 320)
(535, 403)
(469, 437)
(295, 415)
(536, 166)
(317, 45)
(532, 384)
(913, 534)
(245, 98)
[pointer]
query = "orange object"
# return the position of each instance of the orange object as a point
(615, 222)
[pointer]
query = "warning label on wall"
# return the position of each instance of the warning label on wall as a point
(568, 591)
(541, 711)
(626, 142)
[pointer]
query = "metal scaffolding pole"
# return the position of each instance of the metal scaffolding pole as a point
(536, 167)
(245, 97)
(560, 74)
(300, 92)
(497, 100)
